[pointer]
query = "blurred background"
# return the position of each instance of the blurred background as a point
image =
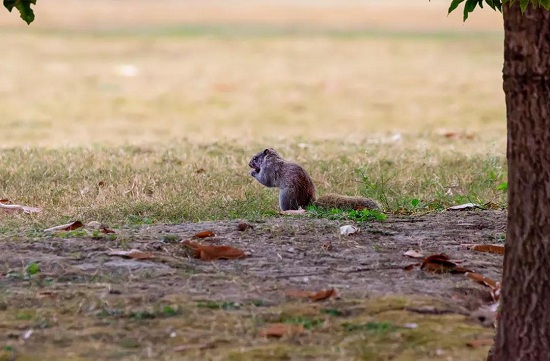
(140, 71)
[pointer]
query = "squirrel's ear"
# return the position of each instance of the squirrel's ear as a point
(266, 151)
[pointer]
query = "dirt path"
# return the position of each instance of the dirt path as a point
(81, 289)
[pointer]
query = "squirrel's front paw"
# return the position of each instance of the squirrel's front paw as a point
(253, 173)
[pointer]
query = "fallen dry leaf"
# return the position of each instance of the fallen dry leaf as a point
(66, 227)
(204, 234)
(348, 230)
(464, 207)
(413, 254)
(133, 253)
(212, 253)
(440, 263)
(327, 246)
(489, 248)
(6, 205)
(325, 294)
(313, 296)
(282, 329)
(480, 342)
(94, 225)
(46, 294)
(200, 171)
(241, 227)
(106, 230)
(482, 280)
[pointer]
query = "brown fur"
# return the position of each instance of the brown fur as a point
(296, 186)
(345, 202)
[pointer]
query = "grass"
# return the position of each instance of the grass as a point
(187, 182)
(119, 128)
(147, 116)
(120, 328)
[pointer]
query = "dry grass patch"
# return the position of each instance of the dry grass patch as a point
(82, 90)
(189, 182)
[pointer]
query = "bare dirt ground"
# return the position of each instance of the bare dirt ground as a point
(82, 298)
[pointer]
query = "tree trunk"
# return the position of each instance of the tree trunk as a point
(523, 332)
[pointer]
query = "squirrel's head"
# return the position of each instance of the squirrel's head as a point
(270, 151)
(257, 160)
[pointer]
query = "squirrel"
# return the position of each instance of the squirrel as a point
(296, 186)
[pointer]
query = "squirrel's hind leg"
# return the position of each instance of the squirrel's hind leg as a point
(287, 200)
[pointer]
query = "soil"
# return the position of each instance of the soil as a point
(283, 253)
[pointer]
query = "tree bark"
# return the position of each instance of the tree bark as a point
(523, 332)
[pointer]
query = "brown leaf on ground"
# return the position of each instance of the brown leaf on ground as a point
(106, 230)
(489, 248)
(411, 267)
(325, 294)
(6, 205)
(313, 296)
(282, 329)
(327, 246)
(133, 253)
(440, 263)
(413, 254)
(204, 234)
(241, 227)
(480, 342)
(66, 227)
(482, 280)
(46, 294)
(212, 253)
(200, 171)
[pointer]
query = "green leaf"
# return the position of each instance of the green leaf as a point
(503, 186)
(523, 4)
(469, 7)
(24, 7)
(33, 268)
(454, 5)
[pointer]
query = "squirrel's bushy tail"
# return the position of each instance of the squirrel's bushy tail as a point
(345, 202)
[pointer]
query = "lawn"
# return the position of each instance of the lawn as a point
(144, 119)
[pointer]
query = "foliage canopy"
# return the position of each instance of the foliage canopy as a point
(24, 7)
(470, 5)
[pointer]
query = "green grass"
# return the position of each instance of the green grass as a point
(166, 184)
